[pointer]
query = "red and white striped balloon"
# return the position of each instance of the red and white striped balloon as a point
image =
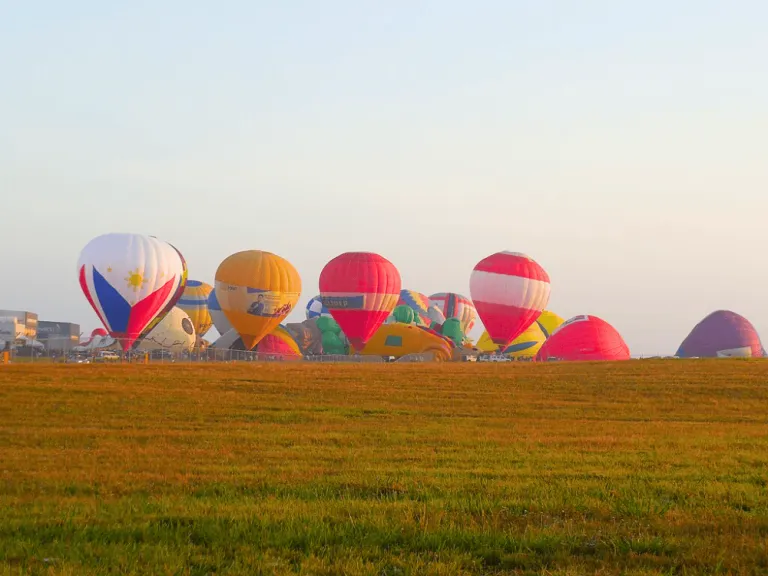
(509, 291)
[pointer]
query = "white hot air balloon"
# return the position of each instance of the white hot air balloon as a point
(175, 333)
(130, 280)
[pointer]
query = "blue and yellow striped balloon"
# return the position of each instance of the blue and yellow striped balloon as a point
(194, 301)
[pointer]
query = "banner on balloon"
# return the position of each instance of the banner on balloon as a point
(255, 301)
(356, 302)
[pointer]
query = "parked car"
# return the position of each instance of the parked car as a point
(107, 356)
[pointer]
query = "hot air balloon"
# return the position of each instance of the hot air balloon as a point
(174, 333)
(360, 289)
(403, 314)
(97, 333)
(584, 338)
(218, 317)
(194, 301)
(527, 345)
(453, 305)
(530, 341)
(435, 315)
(174, 300)
(509, 291)
(722, 334)
(315, 309)
(417, 302)
(279, 342)
(549, 322)
(230, 340)
(129, 280)
(256, 291)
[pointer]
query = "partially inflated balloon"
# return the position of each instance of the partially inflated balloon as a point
(280, 343)
(419, 303)
(453, 305)
(360, 289)
(549, 322)
(509, 291)
(194, 301)
(452, 329)
(403, 314)
(527, 345)
(174, 333)
(722, 334)
(584, 338)
(256, 291)
(129, 280)
(315, 309)
(218, 317)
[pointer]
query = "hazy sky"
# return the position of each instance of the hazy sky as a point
(621, 144)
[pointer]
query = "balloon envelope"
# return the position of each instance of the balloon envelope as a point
(452, 305)
(360, 289)
(279, 342)
(527, 345)
(549, 322)
(174, 333)
(584, 338)
(315, 309)
(129, 280)
(722, 334)
(219, 319)
(509, 290)
(417, 302)
(194, 301)
(176, 296)
(256, 291)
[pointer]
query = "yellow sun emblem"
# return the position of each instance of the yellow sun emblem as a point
(135, 280)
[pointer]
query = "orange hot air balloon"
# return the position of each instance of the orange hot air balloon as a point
(256, 291)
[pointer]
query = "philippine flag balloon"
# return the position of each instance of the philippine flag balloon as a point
(130, 280)
(509, 291)
(360, 289)
(173, 301)
(256, 290)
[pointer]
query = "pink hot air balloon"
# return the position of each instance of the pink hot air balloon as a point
(509, 291)
(584, 338)
(359, 289)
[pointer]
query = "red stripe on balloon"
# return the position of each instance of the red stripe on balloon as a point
(361, 325)
(512, 265)
(360, 272)
(506, 322)
(87, 292)
(144, 311)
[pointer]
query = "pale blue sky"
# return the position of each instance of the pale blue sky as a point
(621, 144)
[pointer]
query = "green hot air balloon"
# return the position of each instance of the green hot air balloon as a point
(332, 338)
(404, 314)
(452, 329)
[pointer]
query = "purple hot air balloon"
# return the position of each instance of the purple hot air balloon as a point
(722, 334)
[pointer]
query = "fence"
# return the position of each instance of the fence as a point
(110, 351)
(107, 350)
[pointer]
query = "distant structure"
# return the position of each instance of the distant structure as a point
(27, 321)
(722, 334)
(58, 336)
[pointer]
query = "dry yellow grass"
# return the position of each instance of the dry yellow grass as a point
(640, 467)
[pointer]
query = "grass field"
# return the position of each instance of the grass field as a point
(644, 467)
